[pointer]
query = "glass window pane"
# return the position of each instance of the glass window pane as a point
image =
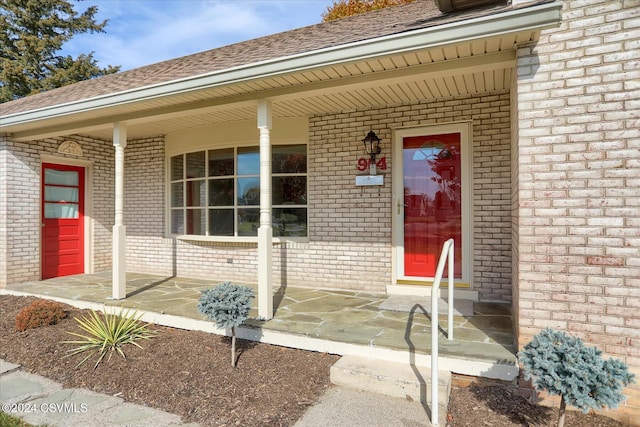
(60, 177)
(248, 222)
(221, 222)
(196, 222)
(248, 191)
(221, 192)
(289, 190)
(221, 162)
(177, 221)
(290, 222)
(248, 161)
(195, 165)
(60, 194)
(196, 195)
(177, 194)
(177, 167)
(60, 210)
(289, 159)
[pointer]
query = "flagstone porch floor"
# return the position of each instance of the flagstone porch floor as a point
(352, 319)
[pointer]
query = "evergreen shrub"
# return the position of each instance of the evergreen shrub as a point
(40, 313)
(228, 306)
(562, 365)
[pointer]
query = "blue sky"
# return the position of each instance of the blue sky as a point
(142, 32)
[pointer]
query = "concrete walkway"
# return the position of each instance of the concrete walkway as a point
(346, 407)
(38, 400)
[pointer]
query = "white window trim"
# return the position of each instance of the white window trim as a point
(229, 239)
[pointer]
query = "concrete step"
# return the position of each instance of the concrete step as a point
(390, 378)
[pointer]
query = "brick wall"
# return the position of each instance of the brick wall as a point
(349, 226)
(515, 202)
(343, 251)
(148, 251)
(102, 154)
(21, 165)
(22, 212)
(337, 206)
(579, 179)
(4, 154)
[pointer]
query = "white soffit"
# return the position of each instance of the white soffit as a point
(343, 83)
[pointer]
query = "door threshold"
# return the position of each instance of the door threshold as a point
(429, 283)
(424, 290)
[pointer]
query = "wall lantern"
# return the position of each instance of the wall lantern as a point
(372, 148)
(372, 145)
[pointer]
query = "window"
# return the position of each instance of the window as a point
(217, 192)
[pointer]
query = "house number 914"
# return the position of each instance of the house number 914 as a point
(364, 164)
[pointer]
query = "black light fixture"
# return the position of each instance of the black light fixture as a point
(372, 145)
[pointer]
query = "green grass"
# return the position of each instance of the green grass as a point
(7, 420)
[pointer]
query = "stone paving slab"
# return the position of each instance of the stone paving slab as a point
(407, 303)
(39, 400)
(341, 318)
(19, 386)
(7, 367)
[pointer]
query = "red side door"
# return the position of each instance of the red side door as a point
(62, 220)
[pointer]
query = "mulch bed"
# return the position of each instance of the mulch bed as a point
(189, 373)
(499, 406)
(184, 372)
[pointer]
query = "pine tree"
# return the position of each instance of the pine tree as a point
(228, 306)
(564, 366)
(32, 32)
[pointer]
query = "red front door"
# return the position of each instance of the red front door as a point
(432, 202)
(62, 220)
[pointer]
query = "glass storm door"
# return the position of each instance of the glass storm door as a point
(432, 184)
(62, 220)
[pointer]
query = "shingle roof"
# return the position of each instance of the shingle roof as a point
(417, 15)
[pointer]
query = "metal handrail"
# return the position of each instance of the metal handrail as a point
(445, 256)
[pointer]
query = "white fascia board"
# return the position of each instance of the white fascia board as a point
(536, 17)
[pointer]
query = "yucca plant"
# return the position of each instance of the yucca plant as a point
(108, 333)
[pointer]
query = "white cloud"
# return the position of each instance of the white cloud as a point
(142, 32)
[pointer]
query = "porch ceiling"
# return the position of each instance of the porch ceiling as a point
(445, 71)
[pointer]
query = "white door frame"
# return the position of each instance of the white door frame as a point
(464, 129)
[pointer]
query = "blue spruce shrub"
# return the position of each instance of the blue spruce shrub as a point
(228, 306)
(564, 366)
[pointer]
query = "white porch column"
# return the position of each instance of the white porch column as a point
(119, 230)
(265, 232)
